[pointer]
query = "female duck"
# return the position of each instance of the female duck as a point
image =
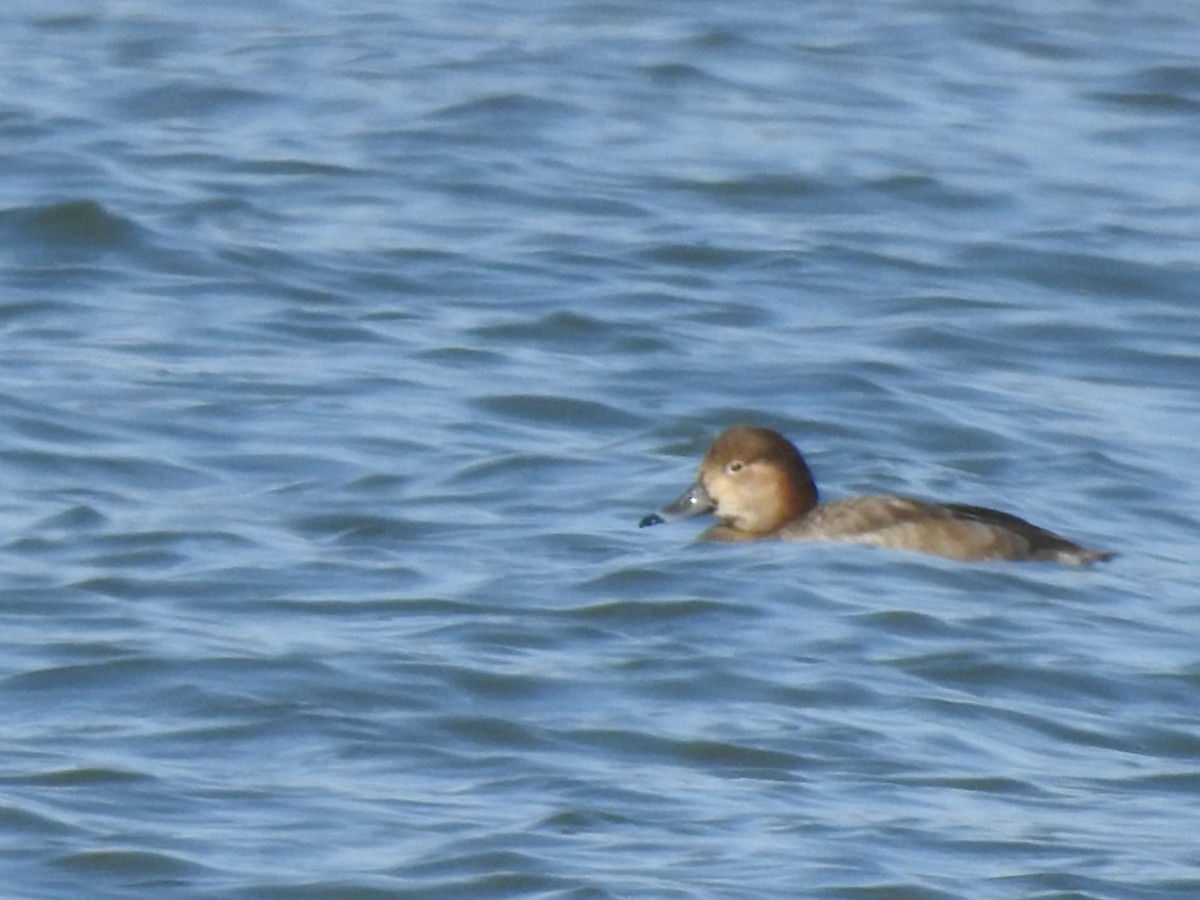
(756, 482)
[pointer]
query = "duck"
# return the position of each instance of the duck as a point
(759, 487)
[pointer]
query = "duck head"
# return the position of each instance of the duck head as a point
(753, 480)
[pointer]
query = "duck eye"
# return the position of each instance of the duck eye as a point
(734, 467)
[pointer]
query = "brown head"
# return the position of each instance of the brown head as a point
(753, 479)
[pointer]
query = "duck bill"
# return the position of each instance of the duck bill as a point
(692, 502)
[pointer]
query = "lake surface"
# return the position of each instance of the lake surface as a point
(344, 345)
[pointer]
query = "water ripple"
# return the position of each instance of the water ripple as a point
(347, 344)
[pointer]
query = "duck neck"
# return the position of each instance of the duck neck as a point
(804, 490)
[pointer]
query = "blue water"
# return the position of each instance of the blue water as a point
(345, 344)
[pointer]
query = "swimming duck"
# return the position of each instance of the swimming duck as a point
(757, 484)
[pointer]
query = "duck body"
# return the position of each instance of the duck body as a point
(758, 485)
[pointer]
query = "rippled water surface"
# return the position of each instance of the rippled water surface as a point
(344, 345)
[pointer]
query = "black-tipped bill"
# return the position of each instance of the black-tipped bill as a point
(692, 502)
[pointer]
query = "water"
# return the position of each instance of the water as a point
(344, 348)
